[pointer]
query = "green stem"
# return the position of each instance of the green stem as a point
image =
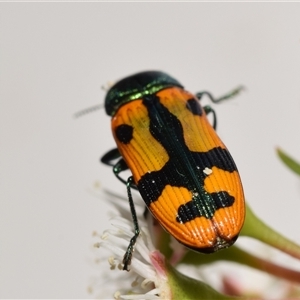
(256, 228)
(237, 255)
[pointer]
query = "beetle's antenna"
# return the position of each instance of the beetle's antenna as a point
(229, 95)
(87, 110)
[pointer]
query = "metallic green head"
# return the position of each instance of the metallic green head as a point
(135, 87)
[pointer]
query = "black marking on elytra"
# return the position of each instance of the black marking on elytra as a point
(184, 167)
(222, 199)
(190, 210)
(124, 133)
(194, 107)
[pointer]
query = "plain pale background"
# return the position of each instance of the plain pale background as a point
(54, 58)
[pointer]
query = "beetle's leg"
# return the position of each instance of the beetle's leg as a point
(146, 212)
(229, 95)
(110, 156)
(128, 254)
(118, 167)
(208, 110)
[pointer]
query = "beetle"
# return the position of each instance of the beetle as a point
(183, 171)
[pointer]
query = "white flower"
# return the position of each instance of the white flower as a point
(147, 270)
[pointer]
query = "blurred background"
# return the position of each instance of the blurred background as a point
(54, 58)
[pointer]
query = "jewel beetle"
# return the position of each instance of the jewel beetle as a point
(183, 171)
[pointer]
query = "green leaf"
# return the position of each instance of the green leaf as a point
(290, 162)
(186, 288)
(254, 227)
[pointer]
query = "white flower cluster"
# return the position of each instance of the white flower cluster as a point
(147, 270)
